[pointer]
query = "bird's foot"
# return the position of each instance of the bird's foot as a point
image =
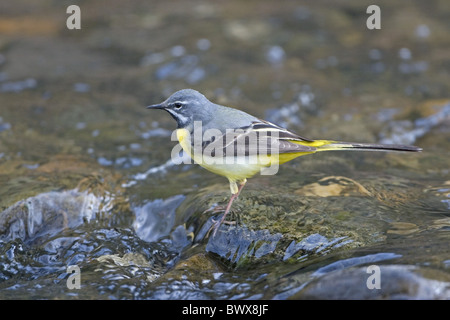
(216, 224)
(215, 209)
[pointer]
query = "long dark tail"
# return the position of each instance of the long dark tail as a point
(337, 145)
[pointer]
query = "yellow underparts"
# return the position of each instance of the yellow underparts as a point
(238, 171)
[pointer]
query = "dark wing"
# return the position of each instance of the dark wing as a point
(261, 137)
(283, 133)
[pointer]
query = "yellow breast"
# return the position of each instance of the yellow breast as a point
(234, 168)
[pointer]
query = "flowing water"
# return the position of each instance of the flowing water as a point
(87, 181)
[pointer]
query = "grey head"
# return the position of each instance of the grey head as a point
(187, 106)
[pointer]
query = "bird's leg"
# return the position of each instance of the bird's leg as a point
(241, 186)
(219, 208)
(233, 196)
(218, 223)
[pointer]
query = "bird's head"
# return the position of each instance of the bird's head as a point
(186, 106)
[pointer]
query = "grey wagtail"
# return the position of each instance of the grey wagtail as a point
(237, 145)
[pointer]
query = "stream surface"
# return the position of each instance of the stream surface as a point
(87, 180)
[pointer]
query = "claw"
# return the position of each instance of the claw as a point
(216, 224)
(215, 209)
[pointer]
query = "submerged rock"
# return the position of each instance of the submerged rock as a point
(395, 282)
(49, 213)
(155, 219)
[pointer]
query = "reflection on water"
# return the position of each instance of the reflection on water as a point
(351, 262)
(86, 177)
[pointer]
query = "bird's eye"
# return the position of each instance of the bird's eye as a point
(178, 105)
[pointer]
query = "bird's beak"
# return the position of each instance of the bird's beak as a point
(156, 106)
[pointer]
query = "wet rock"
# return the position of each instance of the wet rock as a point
(240, 245)
(333, 186)
(402, 228)
(268, 227)
(156, 218)
(396, 282)
(243, 248)
(48, 214)
(134, 260)
(128, 259)
(196, 264)
(190, 278)
(314, 243)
